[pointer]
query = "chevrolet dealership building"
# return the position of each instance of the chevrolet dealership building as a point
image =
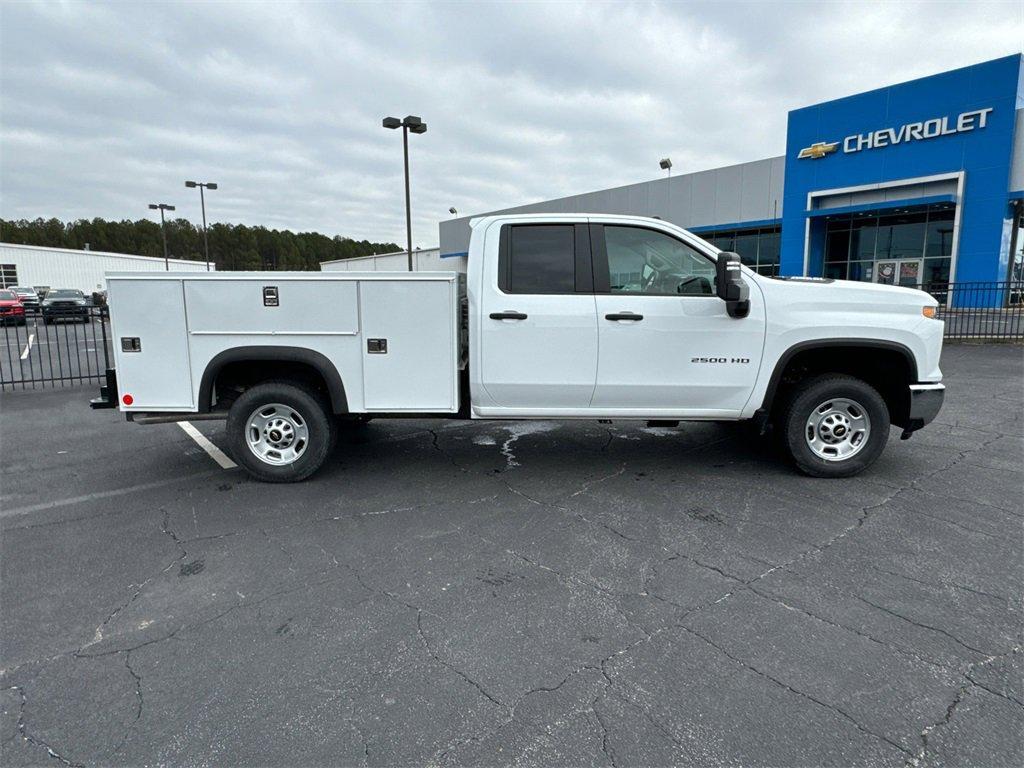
(920, 183)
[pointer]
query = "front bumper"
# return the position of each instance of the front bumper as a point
(925, 404)
(65, 311)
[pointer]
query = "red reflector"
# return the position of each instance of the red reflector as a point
(127, 399)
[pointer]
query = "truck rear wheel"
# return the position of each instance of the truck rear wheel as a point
(835, 426)
(280, 432)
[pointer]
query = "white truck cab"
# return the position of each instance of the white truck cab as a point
(560, 317)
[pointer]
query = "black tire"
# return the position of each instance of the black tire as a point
(806, 397)
(312, 411)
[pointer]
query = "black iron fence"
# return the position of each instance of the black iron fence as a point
(54, 348)
(983, 311)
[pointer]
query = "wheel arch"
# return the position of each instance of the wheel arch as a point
(823, 355)
(298, 361)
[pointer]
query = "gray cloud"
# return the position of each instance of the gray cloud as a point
(108, 107)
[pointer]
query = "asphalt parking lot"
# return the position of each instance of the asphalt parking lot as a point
(539, 594)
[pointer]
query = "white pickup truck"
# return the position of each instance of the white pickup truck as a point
(559, 317)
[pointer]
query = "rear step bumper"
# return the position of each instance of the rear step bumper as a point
(108, 392)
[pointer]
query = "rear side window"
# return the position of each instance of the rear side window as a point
(539, 259)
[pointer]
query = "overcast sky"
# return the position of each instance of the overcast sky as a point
(106, 108)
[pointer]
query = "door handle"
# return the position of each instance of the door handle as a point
(507, 316)
(624, 316)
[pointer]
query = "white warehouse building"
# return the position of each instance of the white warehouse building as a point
(423, 260)
(33, 265)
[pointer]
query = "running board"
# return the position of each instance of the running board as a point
(171, 418)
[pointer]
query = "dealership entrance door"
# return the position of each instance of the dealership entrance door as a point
(899, 272)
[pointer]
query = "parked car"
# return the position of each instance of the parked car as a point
(28, 296)
(561, 316)
(12, 311)
(65, 304)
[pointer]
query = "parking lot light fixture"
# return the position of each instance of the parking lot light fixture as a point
(666, 164)
(203, 185)
(163, 228)
(415, 125)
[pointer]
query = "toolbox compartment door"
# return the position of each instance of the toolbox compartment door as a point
(271, 305)
(409, 345)
(153, 312)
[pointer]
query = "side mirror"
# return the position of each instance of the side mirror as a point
(730, 285)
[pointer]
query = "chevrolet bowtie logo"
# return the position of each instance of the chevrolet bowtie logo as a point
(819, 149)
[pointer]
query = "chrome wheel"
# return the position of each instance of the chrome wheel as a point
(838, 429)
(276, 434)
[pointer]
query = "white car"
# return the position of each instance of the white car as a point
(28, 296)
(560, 317)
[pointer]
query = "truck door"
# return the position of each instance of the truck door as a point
(538, 318)
(666, 340)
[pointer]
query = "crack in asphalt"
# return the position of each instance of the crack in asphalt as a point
(914, 761)
(921, 625)
(98, 634)
(138, 684)
(940, 583)
(838, 625)
(33, 740)
(797, 691)
(663, 729)
(421, 634)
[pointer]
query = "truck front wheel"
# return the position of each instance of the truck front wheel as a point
(280, 432)
(835, 426)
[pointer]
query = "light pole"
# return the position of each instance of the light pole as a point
(452, 211)
(666, 164)
(163, 227)
(414, 124)
(203, 185)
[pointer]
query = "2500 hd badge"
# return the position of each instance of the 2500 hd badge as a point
(719, 359)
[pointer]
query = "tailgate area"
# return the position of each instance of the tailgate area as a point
(156, 373)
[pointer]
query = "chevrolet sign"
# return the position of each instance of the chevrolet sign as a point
(887, 137)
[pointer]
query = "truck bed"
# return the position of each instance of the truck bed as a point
(395, 338)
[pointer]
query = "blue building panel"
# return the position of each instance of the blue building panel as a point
(958, 122)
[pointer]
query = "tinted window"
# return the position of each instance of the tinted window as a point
(541, 259)
(7, 296)
(645, 261)
(939, 238)
(65, 294)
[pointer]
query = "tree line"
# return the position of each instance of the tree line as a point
(232, 246)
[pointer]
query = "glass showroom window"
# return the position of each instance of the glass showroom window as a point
(921, 239)
(758, 248)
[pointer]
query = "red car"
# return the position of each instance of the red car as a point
(11, 308)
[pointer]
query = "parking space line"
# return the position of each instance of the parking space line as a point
(28, 345)
(214, 452)
(17, 511)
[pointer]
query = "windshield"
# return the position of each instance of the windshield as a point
(7, 296)
(22, 289)
(65, 294)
